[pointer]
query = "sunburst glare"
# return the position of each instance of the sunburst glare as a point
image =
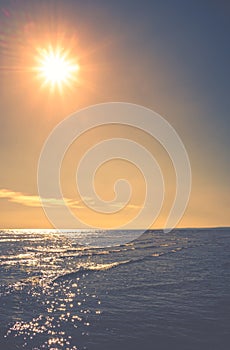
(56, 68)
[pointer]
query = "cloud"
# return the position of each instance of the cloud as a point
(118, 206)
(122, 205)
(35, 201)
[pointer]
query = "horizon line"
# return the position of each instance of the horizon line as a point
(111, 229)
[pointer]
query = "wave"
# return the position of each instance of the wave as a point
(95, 267)
(46, 278)
(88, 268)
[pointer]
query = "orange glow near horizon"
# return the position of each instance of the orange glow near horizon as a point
(56, 68)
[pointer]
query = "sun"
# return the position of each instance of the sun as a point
(56, 68)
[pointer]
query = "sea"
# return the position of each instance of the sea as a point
(160, 291)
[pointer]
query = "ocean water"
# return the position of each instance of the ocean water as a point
(161, 291)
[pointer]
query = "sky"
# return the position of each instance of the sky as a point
(170, 56)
